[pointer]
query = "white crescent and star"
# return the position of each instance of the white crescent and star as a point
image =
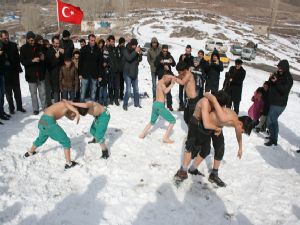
(63, 11)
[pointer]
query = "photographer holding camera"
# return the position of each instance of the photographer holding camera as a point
(164, 63)
(280, 84)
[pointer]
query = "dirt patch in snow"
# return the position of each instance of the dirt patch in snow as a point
(188, 32)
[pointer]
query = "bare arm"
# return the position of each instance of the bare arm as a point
(184, 80)
(165, 89)
(221, 115)
(207, 122)
(73, 109)
(238, 134)
(82, 104)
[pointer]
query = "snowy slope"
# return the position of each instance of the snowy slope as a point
(135, 186)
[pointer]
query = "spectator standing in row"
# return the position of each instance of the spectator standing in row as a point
(67, 44)
(121, 48)
(3, 114)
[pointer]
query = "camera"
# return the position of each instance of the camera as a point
(166, 61)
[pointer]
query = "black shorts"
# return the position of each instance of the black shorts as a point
(219, 147)
(189, 108)
(198, 138)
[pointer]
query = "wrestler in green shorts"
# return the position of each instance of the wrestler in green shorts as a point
(48, 127)
(99, 126)
(159, 109)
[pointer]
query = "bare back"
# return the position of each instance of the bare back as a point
(57, 110)
(230, 123)
(203, 102)
(95, 109)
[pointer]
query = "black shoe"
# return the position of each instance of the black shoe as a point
(92, 141)
(195, 172)
(1, 123)
(270, 143)
(36, 113)
(73, 163)
(138, 106)
(105, 154)
(170, 108)
(22, 110)
(27, 154)
(111, 102)
(12, 111)
(298, 151)
(267, 137)
(181, 108)
(117, 102)
(3, 117)
(181, 175)
(125, 107)
(5, 114)
(214, 178)
(257, 129)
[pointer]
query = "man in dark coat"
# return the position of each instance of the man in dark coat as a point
(90, 68)
(32, 58)
(189, 60)
(114, 69)
(164, 63)
(213, 74)
(54, 61)
(234, 84)
(280, 84)
(132, 56)
(121, 48)
(3, 114)
(67, 44)
(12, 69)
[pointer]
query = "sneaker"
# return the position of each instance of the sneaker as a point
(270, 143)
(27, 154)
(214, 178)
(195, 172)
(70, 165)
(36, 113)
(117, 102)
(22, 110)
(105, 154)
(181, 108)
(125, 108)
(170, 108)
(181, 175)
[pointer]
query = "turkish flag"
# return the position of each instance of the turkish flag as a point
(69, 13)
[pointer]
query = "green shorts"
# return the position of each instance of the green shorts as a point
(48, 127)
(159, 109)
(99, 126)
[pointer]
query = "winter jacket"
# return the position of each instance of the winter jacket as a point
(90, 62)
(255, 111)
(152, 54)
(114, 59)
(68, 47)
(53, 66)
(235, 86)
(213, 74)
(34, 71)
(121, 49)
(160, 70)
(131, 62)
(188, 59)
(68, 78)
(199, 76)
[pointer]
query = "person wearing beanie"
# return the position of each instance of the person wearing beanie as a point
(32, 58)
(121, 48)
(233, 84)
(280, 84)
(12, 69)
(163, 64)
(66, 44)
(213, 73)
(152, 53)
(132, 56)
(188, 59)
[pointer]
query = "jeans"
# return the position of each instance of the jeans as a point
(272, 121)
(154, 80)
(134, 83)
(103, 95)
(68, 95)
(34, 88)
(1, 93)
(84, 88)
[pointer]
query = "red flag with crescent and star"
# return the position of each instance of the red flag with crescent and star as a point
(69, 13)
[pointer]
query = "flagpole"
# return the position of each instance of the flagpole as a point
(58, 27)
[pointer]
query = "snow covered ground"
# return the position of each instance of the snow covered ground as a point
(135, 185)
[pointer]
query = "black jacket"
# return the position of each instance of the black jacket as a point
(280, 89)
(114, 59)
(90, 62)
(234, 88)
(160, 70)
(53, 66)
(189, 59)
(33, 70)
(68, 47)
(131, 61)
(213, 74)
(121, 49)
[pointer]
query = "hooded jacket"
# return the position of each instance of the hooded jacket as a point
(131, 61)
(160, 70)
(152, 54)
(280, 89)
(68, 78)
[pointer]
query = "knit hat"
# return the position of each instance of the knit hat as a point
(238, 62)
(66, 33)
(30, 35)
(284, 65)
(133, 41)
(188, 46)
(164, 47)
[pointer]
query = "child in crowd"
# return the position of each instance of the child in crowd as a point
(68, 80)
(263, 119)
(255, 111)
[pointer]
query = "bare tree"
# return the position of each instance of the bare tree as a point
(31, 19)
